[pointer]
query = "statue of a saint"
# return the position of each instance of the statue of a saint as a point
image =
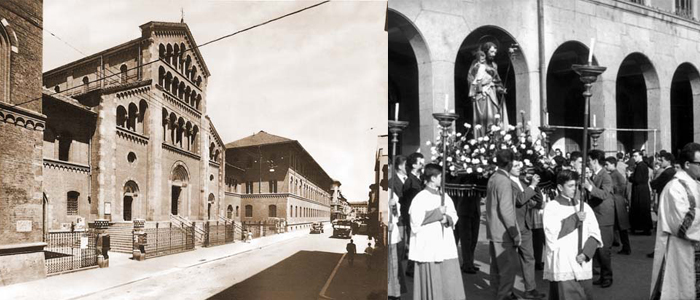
(486, 90)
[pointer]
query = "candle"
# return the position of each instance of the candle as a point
(447, 97)
(546, 118)
(396, 112)
(594, 121)
(590, 52)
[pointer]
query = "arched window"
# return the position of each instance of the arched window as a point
(161, 76)
(72, 203)
(133, 114)
(291, 211)
(123, 69)
(248, 211)
(5, 52)
(64, 143)
(236, 211)
(86, 84)
(161, 51)
(121, 116)
(143, 117)
(272, 211)
(229, 212)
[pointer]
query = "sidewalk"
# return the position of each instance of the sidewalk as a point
(123, 271)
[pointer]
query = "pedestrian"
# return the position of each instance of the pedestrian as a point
(396, 280)
(433, 247)
(526, 198)
(665, 174)
(568, 268)
(369, 251)
(678, 231)
(250, 236)
(622, 223)
(352, 249)
(602, 201)
(640, 206)
(411, 187)
(469, 213)
(502, 227)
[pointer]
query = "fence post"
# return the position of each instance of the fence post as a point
(157, 230)
(170, 236)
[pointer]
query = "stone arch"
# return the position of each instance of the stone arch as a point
(565, 101)
(130, 195)
(161, 76)
(143, 117)
(168, 80)
(410, 70)
(175, 85)
(161, 51)
(169, 54)
(132, 116)
(636, 101)
(121, 116)
(179, 187)
(685, 106)
(123, 73)
(229, 212)
(165, 122)
(210, 202)
(512, 69)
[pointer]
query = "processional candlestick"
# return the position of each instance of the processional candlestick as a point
(589, 74)
(445, 120)
(395, 127)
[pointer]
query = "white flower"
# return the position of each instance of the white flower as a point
(479, 170)
(507, 137)
(527, 162)
(482, 150)
(441, 164)
(544, 135)
(538, 143)
(458, 152)
(467, 125)
(464, 165)
(452, 168)
(467, 160)
(503, 132)
(528, 123)
(484, 162)
(529, 152)
(522, 146)
(463, 158)
(428, 143)
(472, 142)
(466, 147)
(503, 146)
(492, 147)
(469, 170)
(486, 138)
(449, 159)
(433, 158)
(511, 127)
(477, 126)
(494, 160)
(459, 134)
(538, 147)
(497, 116)
(495, 128)
(479, 139)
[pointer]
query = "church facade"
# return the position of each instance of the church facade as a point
(127, 135)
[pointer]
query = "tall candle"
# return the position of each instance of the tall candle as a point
(546, 119)
(590, 52)
(396, 112)
(594, 121)
(447, 97)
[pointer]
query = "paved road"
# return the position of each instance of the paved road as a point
(631, 274)
(292, 269)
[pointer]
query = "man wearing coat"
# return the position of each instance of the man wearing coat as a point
(640, 205)
(601, 200)
(622, 222)
(501, 227)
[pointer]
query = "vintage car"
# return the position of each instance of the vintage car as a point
(342, 228)
(316, 227)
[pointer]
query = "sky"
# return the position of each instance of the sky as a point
(318, 77)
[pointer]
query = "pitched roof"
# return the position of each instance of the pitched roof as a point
(260, 138)
(65, 99)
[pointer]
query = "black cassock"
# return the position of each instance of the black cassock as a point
(640, 206)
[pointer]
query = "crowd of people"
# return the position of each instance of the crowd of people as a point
(566, 227)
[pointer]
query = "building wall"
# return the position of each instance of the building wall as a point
(437, 30)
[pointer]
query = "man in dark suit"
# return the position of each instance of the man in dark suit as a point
(667, 160)
(526, 198)
(469, 211)
(601, 200)
(411, 187)
(502, 228)
(622, 222)
(640, 204)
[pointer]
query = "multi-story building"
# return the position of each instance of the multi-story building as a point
(127, 134)
(649, 96)
(359, 208)
(22, 123)
(275, 177)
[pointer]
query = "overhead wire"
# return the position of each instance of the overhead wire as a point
(160, 59)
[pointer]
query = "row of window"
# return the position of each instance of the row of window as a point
(299, 187)
(174, 56)
(214, 153)
(178, 88)
(294, 212)
(177, 131)
(133, 118)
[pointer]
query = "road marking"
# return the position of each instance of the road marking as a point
(322, 295)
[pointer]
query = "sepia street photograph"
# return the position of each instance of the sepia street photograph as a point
(178, 149)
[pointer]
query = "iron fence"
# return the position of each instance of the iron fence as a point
(218, 233)
(168, 240)
(66, 251)
(262, 228)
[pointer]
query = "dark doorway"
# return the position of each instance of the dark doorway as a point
(175, 201)
(209, 211)
(631, 101)
(127, 207)
(682, 107)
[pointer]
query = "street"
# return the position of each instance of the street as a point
(297, 268)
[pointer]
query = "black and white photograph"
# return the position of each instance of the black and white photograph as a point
(177, 149)
(544, 149)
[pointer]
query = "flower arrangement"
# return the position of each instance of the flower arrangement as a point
(476, 156)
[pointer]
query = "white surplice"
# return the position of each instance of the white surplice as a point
(431, 242)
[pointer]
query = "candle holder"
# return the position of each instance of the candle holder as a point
(588, 74)
(595, 135)
(445, 120)
(546, 129)
(395, 127)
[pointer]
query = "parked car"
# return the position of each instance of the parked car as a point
(342, 228)
(317, 227)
